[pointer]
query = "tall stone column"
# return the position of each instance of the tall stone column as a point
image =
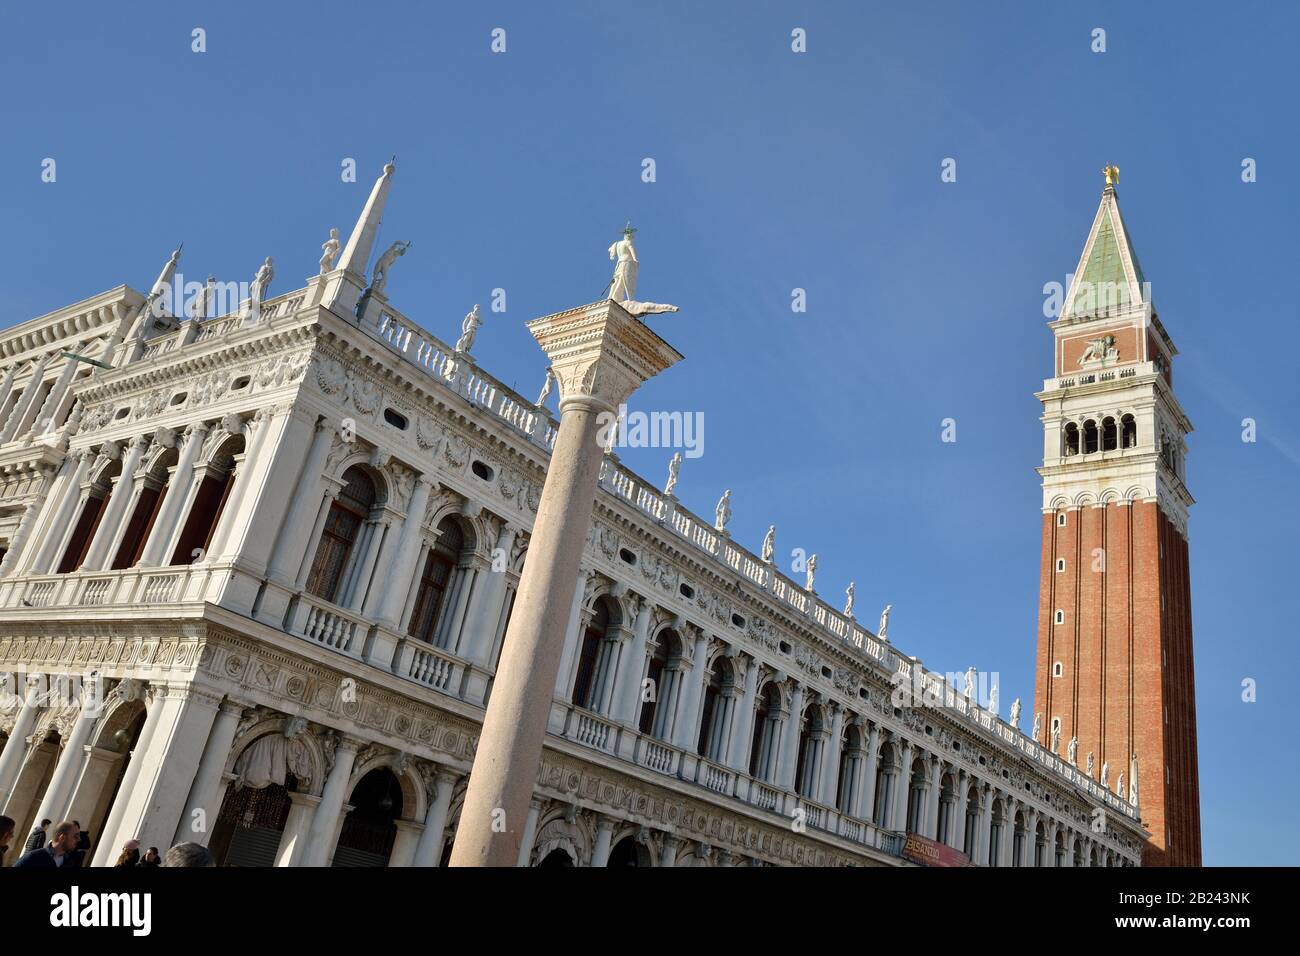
(831, 760)
(293, 840)
(71, 759)
(205, 794)
(866, 803)
(600, 355)
(15, 749)
(289, 546)
(173, 504)
(19, 417)
(429, 852)
(97, 555)
(788, 758)
(604, 836)
(20, 536)
(106, 849)
(43, 421)
(686, 723)
(62, 499)
(628, 686)
(324, 824)
(390, 608)
(903, 785)
(936, 793)
(742, 736)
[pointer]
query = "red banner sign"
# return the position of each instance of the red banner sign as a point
(929, 852)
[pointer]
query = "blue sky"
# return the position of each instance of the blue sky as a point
(774, 171)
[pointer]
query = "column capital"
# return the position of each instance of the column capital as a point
(600, 353)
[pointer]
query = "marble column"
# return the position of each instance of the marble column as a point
(18, 418)
(686, 722)
(742, 735)
(323, 833)
(429, 851)
(72, 758)
(524, 856)
(166, 765)
(15, 748)
(43, 421)
(668, 855)
(292, 541)
(172, 509)
(903, 787)
(20, 536)
(931, 823)
(404, 844)
(866, 803)
(408, 543)
(788, 758)
(97, 555)
(632, 668)
(106, 849)
(61, 506)
(604, 837)
(600, 354)
(293, 840)
(831, 760)
(205, 794)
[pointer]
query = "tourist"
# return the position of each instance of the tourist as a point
(188, 854)
(57, 853)
(151, 857)
(130, 855)
(36, 839)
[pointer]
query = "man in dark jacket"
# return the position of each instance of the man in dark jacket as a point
(36, 839)
(60, 851)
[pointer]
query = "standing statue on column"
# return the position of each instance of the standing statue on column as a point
(1133, 780)
(257, 291)
(1072, 750)
(812, 573)
(546, 387)
(769, 544)
(329, 251)
(674, 470)
(848, 600)
(882, 631)
(1092, 758)
(1038, 726)
(622, 287)
(468, 329)
(1105, 774)
(722, 514)
(379, 274)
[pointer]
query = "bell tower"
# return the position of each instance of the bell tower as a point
(1114, 661)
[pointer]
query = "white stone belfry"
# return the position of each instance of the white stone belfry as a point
(600, 355)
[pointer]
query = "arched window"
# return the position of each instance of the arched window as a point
(715, 711)
(435, 578)
(584, 685)
(1129, 430)
(370, 828)
(1059, 858)
(87, 523)
(1090, 438)
(947, 810)
(1071, 439)
(147, 505)
(997, 830)
(1040, 845)
(209, 503)
(346, 516)
(656, 713)
(767, 733)
(1109, 434)
(1018, 841)
(811, 742)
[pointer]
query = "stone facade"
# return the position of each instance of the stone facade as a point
(256, 579)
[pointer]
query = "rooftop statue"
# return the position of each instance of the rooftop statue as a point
(769, 544)
(546, 387)
(468, 329)
(722, 514)
(329, 251)
(1015, 713)
(674, 470)
(882, 631)
(379, 275)
(848, 600)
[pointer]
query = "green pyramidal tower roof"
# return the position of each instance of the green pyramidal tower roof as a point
(1109, 278)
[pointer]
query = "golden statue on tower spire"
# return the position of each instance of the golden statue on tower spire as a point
(1112, 175)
